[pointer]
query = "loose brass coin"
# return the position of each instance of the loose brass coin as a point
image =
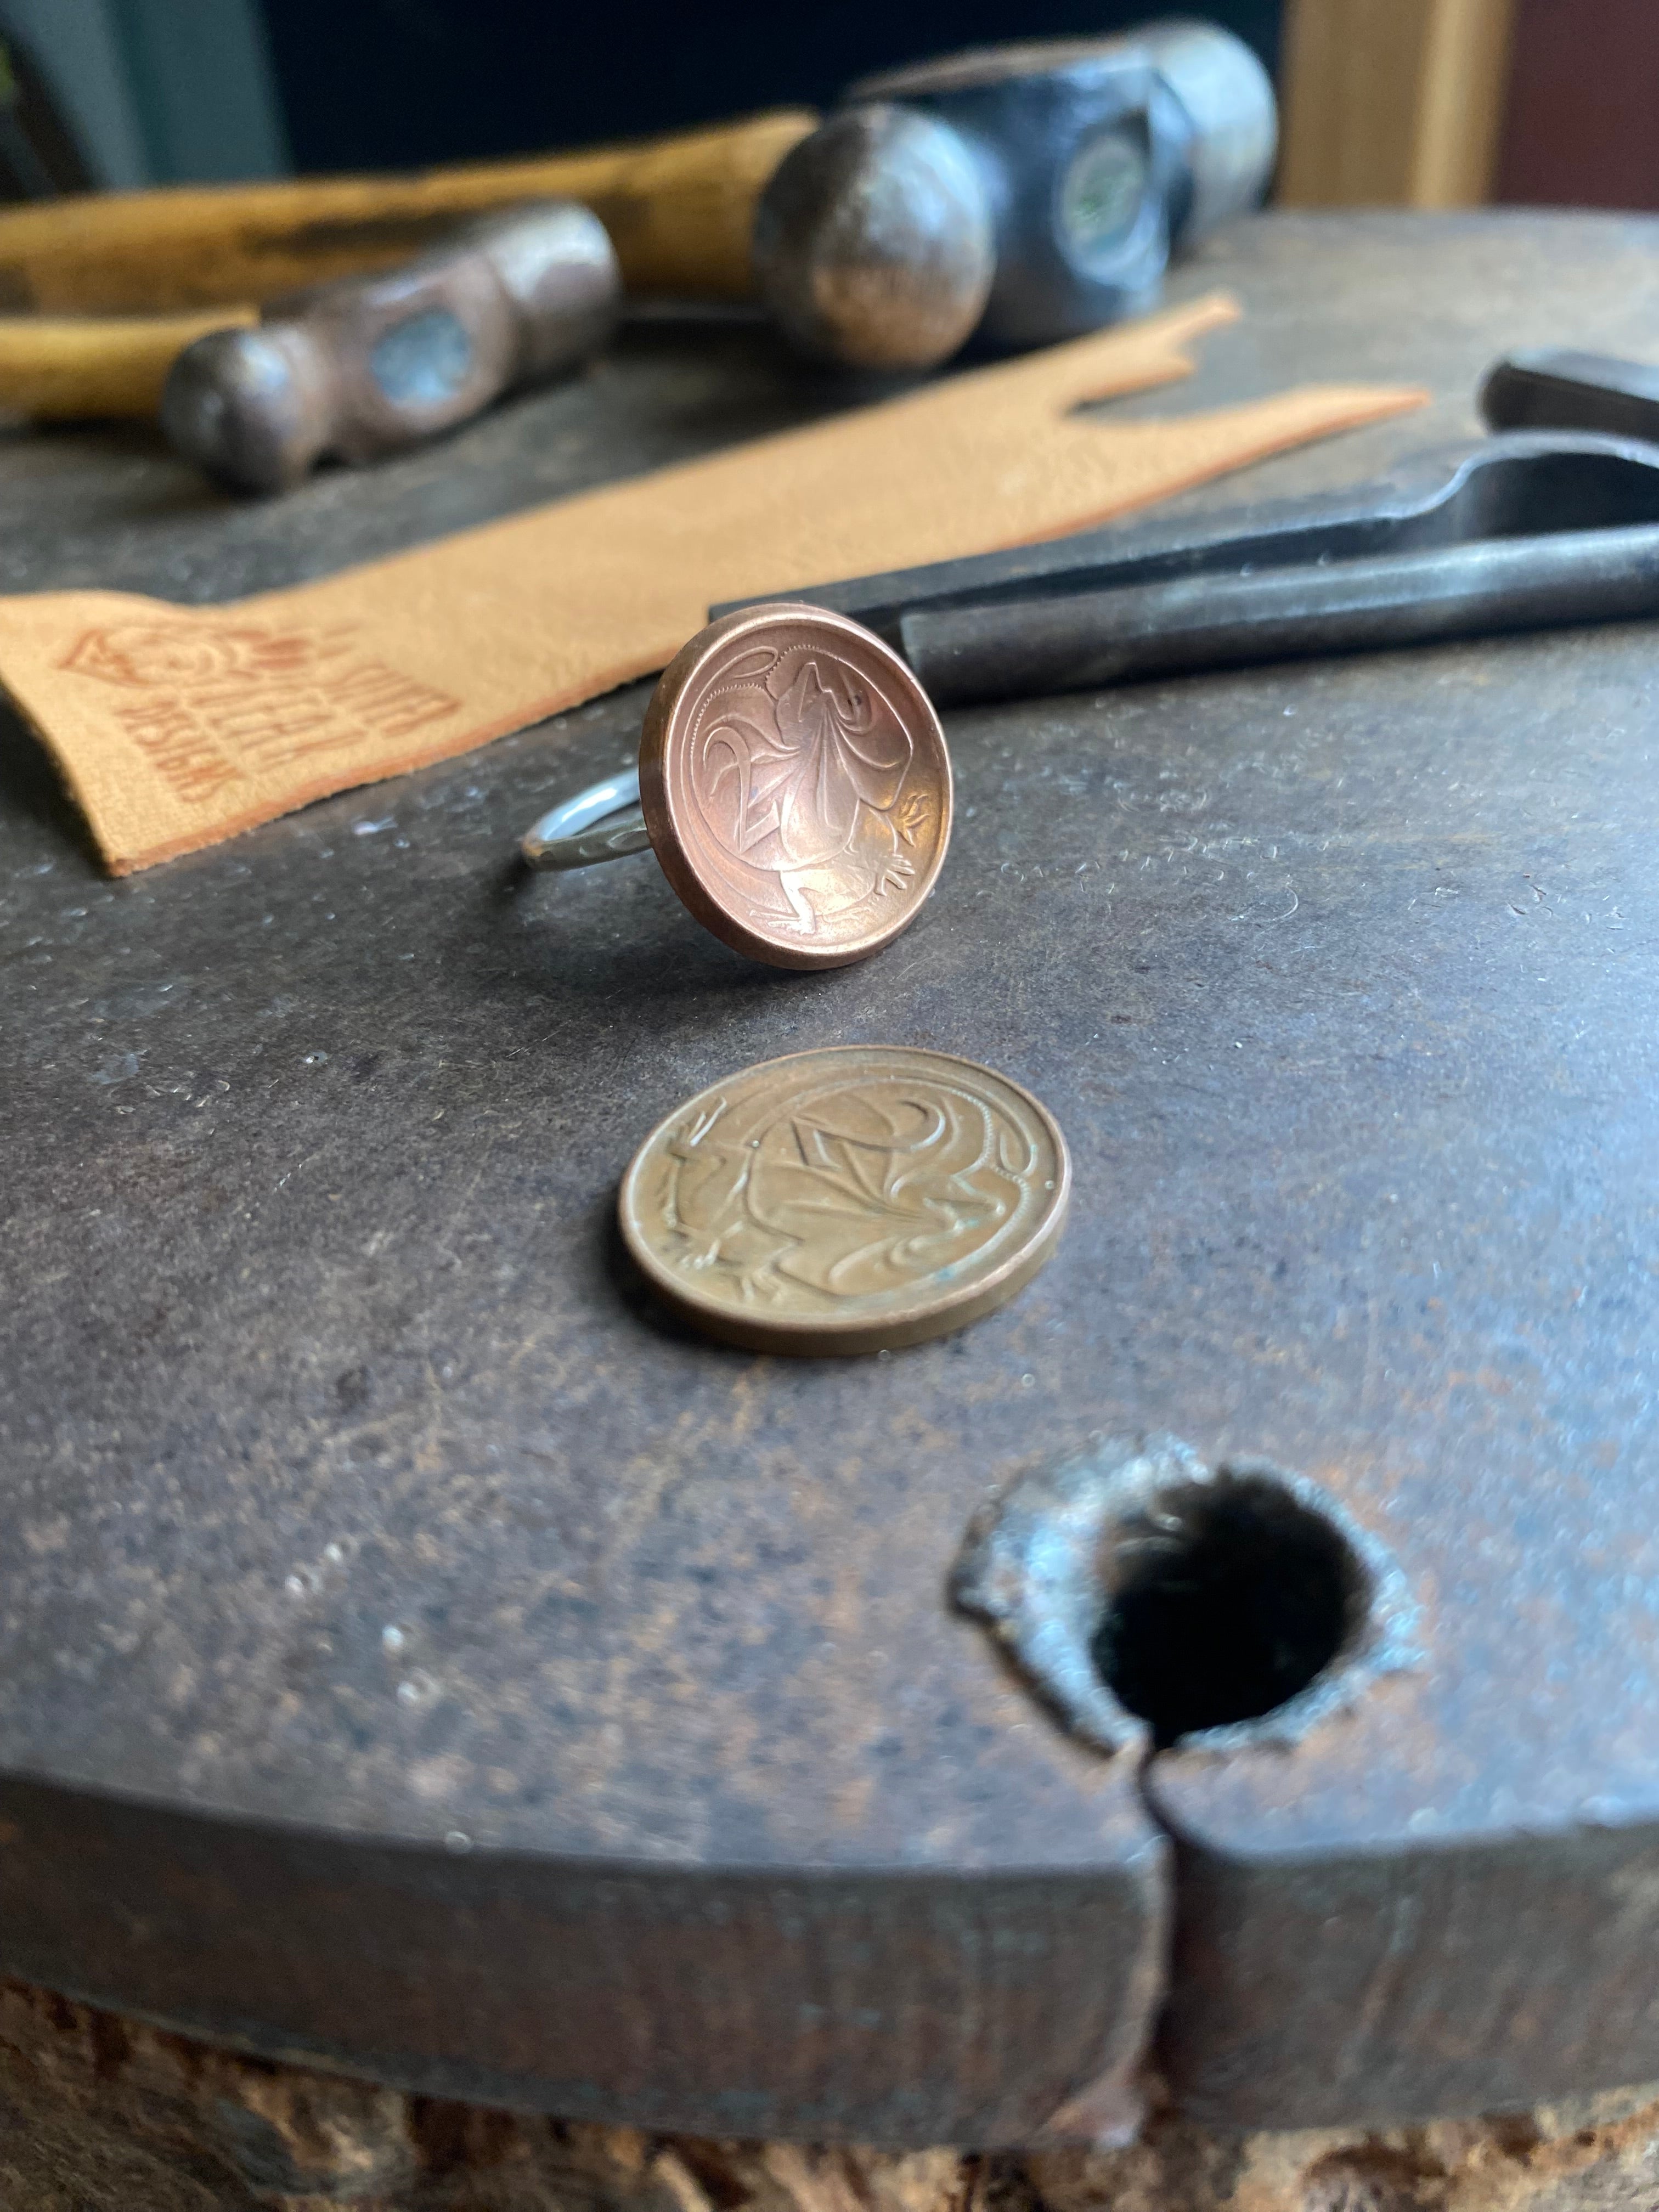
(847, 1200)
(796, 786)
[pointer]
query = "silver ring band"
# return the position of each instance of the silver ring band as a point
(603, 823)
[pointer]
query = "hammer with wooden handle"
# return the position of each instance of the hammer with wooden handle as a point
(120, 283)
(99, 293)
(368, 364)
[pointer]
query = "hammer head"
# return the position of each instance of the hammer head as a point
(368, 364)
(873, 242)
(1095, 158)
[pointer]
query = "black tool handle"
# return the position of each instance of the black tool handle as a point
(1553, 389)
(1027, 648)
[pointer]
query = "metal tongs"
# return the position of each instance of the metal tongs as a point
(1529, 529)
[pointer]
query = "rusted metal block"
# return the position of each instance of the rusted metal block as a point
(418, 1658)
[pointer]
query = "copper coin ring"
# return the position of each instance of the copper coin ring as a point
(854, 1198)
(796, 786)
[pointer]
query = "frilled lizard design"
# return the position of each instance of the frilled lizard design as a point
(801, 771)
(864, 1189)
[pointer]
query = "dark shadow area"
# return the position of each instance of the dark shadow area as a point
(39, 155)
(394, 83)
(30, 786)
(1228, 1598)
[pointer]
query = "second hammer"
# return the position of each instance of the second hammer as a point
(366, 364)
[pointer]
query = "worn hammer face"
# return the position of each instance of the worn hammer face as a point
(874, 242)
(1097, 155)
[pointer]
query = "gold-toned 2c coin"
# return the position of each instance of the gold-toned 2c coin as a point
(847, 1200)
(796, 786)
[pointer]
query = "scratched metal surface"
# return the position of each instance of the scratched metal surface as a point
(415, 1651)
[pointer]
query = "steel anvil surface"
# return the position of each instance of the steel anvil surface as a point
(416, 1652)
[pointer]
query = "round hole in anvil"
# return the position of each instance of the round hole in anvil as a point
(1226, 1599)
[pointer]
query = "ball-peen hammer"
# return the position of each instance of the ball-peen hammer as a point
(365, 365)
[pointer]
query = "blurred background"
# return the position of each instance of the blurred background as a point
(1400, 102)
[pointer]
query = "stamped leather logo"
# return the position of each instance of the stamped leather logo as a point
(215, 703)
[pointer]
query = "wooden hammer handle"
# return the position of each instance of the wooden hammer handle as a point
(680, 211)
(66, 368)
